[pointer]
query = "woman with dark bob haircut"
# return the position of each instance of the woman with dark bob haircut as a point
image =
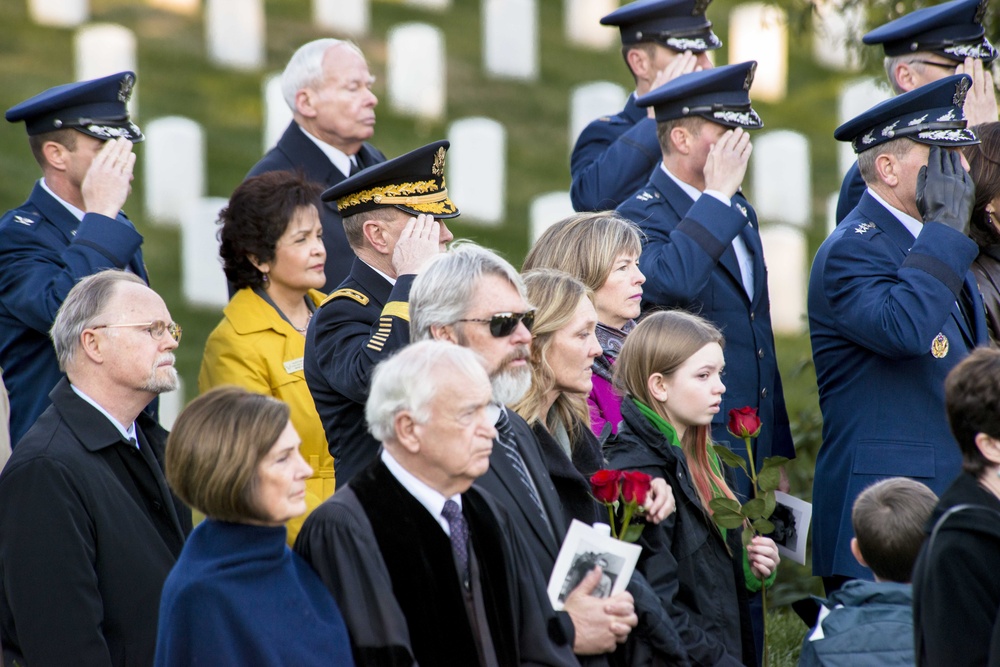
(238, 595)
(273, 254)
(956, 591)
(984, 228)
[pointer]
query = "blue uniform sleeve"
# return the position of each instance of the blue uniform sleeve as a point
(39, 268)
(610, 162)
(895, 310)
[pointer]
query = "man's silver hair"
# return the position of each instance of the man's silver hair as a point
(86, 301)
(911, 59)
(410, 379)
(305, 69)
(442, 293)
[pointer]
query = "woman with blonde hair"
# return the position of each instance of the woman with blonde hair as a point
(670, 373)
(601, 250)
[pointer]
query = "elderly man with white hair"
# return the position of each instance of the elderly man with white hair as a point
(426, 569)
(328, 87)
(88, 528)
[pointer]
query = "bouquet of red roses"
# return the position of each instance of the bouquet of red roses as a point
(623, 493)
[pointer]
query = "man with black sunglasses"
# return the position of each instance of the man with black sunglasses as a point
(394, 216)
(925, 46)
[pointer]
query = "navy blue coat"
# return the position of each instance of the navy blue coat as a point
(356, 327)
(295, 151)
(689, 263)
(877, 300)
(44, 251)
(613, 158)
(850, 192)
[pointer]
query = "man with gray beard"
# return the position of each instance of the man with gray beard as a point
(88, 528)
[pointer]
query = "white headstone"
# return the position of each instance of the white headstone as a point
(593, 100)
(344, 17)
(173, 168)
(857, 97)
(417, 85)
(582, 23)
(510, 39)
(235, 32)
(836, 25)
(787, 277)
(178, 6)
(59, 13)
(277, 115)
(782, 186)
(476, 168)
(203, 281)
(831, 212)
(102, 49)
(429, 4)
(546, 210)
(760, 32)
(171, 404)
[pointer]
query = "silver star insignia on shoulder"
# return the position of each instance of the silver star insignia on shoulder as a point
(864, 227)
(742, 209)
(644, 196)
(23, 220)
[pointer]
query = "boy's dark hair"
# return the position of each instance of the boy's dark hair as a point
(889, 519)
(972, 398)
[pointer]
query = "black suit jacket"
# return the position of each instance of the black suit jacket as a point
(295, 151)
(88, 533)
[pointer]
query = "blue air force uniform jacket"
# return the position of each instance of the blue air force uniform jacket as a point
(297, 152)
(850, 192)
(44, 251)
(689, 263)
(886, 327)
(613, 158)
(360, 324)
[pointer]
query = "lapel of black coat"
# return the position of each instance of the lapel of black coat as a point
(531, 453)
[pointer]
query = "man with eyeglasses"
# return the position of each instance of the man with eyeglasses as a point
(925, 46)
(71, 226)
(394, 216)
(89, 529)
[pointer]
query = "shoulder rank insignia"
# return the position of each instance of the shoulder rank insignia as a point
(865, 227)
(939, 346)
(23, 220)
(348, 293)
(742, 209)
(604, 119)
(644, 196)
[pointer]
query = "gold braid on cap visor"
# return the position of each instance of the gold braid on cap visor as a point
(405, 194)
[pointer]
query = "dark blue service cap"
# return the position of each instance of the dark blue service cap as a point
(97, 107)
(931, 114)
(721, 95)
(413, 183)
(953, 30)
(678, 24)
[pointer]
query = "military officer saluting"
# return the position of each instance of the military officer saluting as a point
(393, 217)
(614, 155)
(927, 45)
(70, 227)
(892, 308)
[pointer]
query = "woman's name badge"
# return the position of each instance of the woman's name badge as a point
(939, 346)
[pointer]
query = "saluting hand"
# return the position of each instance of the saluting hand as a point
(683, 63)
(945, 191)
(108, 181)
(981, 100)
(419, 241)
(727, 162)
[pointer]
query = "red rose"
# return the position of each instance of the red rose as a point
(744, 422)
(635, 486)
(604, 485)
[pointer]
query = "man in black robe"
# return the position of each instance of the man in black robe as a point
(425, 569)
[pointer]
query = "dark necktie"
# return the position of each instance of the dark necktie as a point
(355, 166)
(505, 436)
(459, 530)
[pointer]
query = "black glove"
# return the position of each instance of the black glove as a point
(945, 191)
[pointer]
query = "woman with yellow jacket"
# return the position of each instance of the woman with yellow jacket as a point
(273, 254)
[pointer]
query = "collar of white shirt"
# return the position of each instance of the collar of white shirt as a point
(425, 495)
(77, 213)
(694, 192)
(912, 224)
(127, 433)
(339, 158)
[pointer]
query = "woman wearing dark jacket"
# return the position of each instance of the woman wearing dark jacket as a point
(670, 370)
(563, 348)
(984, 228)
(956, 592)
